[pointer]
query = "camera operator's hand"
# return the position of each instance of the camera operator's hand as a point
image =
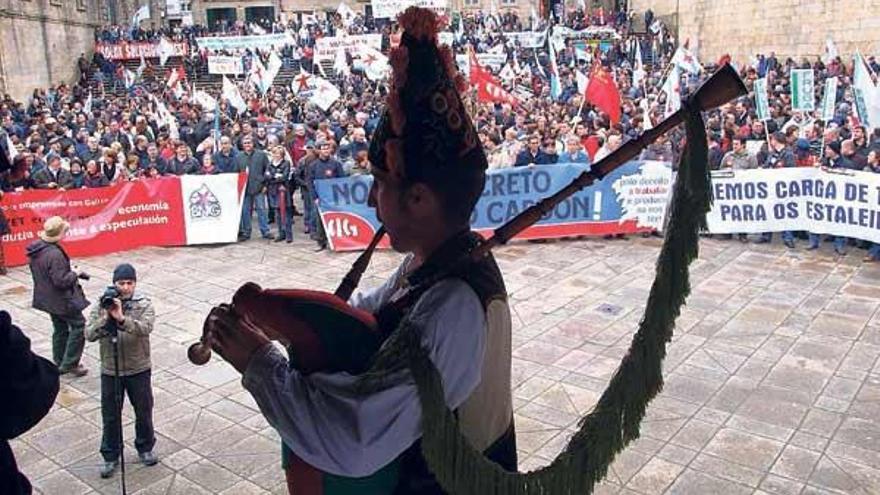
(235, 339)
(115, 311)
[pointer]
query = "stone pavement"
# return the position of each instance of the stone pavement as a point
(772, 380)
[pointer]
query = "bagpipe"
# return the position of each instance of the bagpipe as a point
(323, 332)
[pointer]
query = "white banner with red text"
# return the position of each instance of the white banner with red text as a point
(327, 47)
(223, 64)
(134, 50)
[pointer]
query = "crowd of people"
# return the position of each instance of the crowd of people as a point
(74, 136)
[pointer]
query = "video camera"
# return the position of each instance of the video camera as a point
(110, 293)
(106, 302)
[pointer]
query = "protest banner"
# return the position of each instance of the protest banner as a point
(843, 203)
(388, 9)
(326, 48)
(168, 211)
(261, 41)
(221, 64)
(493, 60)
(802, 92)
(527, 39)
(134, 50)
(630, 199)
(445, 38)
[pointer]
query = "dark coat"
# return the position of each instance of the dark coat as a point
(160, 164)
(97, 180)
(255, 163)
(325, 169)
(88, 155)
(28, 386)
(278, 177)
(44, 177)
(56, 286)
(225, 163)
(177, 167)
(525, 157)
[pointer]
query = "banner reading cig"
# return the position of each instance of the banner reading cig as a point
(844, 203)
(630, 199)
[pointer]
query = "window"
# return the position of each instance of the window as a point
(81, 5)
(472, 3)
(508, 2)
(56, 3)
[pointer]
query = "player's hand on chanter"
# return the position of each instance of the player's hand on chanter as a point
(235, 339)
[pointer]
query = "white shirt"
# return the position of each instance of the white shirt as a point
(325, 422)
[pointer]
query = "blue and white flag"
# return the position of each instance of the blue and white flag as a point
(142, 14)
(555, 86)
(866, 94)
(762, 104)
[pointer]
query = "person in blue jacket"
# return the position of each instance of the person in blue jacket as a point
(574, 152)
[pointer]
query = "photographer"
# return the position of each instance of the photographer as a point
(128, 316)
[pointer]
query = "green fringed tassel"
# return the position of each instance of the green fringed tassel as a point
(616, 418)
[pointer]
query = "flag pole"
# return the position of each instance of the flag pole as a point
(581, 106)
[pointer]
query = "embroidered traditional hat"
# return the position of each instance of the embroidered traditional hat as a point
(425, 133)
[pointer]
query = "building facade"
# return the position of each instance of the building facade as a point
(791, 29)
(212, 11)
(40, 40)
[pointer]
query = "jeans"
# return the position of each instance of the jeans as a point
(247, 212)
(68, 340)
(140, 394)
(309, 212)
(285, 230)
(787, 235)
(839, 242)
(874, 251)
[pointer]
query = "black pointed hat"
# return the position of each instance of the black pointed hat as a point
(425, 132)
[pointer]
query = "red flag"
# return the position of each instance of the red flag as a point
(725, 59)
(602, 92)
(474, 67)
(489, 90)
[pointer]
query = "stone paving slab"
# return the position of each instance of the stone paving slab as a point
(772, 378)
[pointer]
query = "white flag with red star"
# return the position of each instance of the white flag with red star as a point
(374, 62)
(233, 96)
(672, 88)
(686, 61)
(302, 83)
(324, 93)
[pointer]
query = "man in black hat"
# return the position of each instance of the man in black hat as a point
(130, 317)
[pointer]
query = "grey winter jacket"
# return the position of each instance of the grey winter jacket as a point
(134, 336)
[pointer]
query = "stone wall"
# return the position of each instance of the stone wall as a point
(40, 41)
(791, 28)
